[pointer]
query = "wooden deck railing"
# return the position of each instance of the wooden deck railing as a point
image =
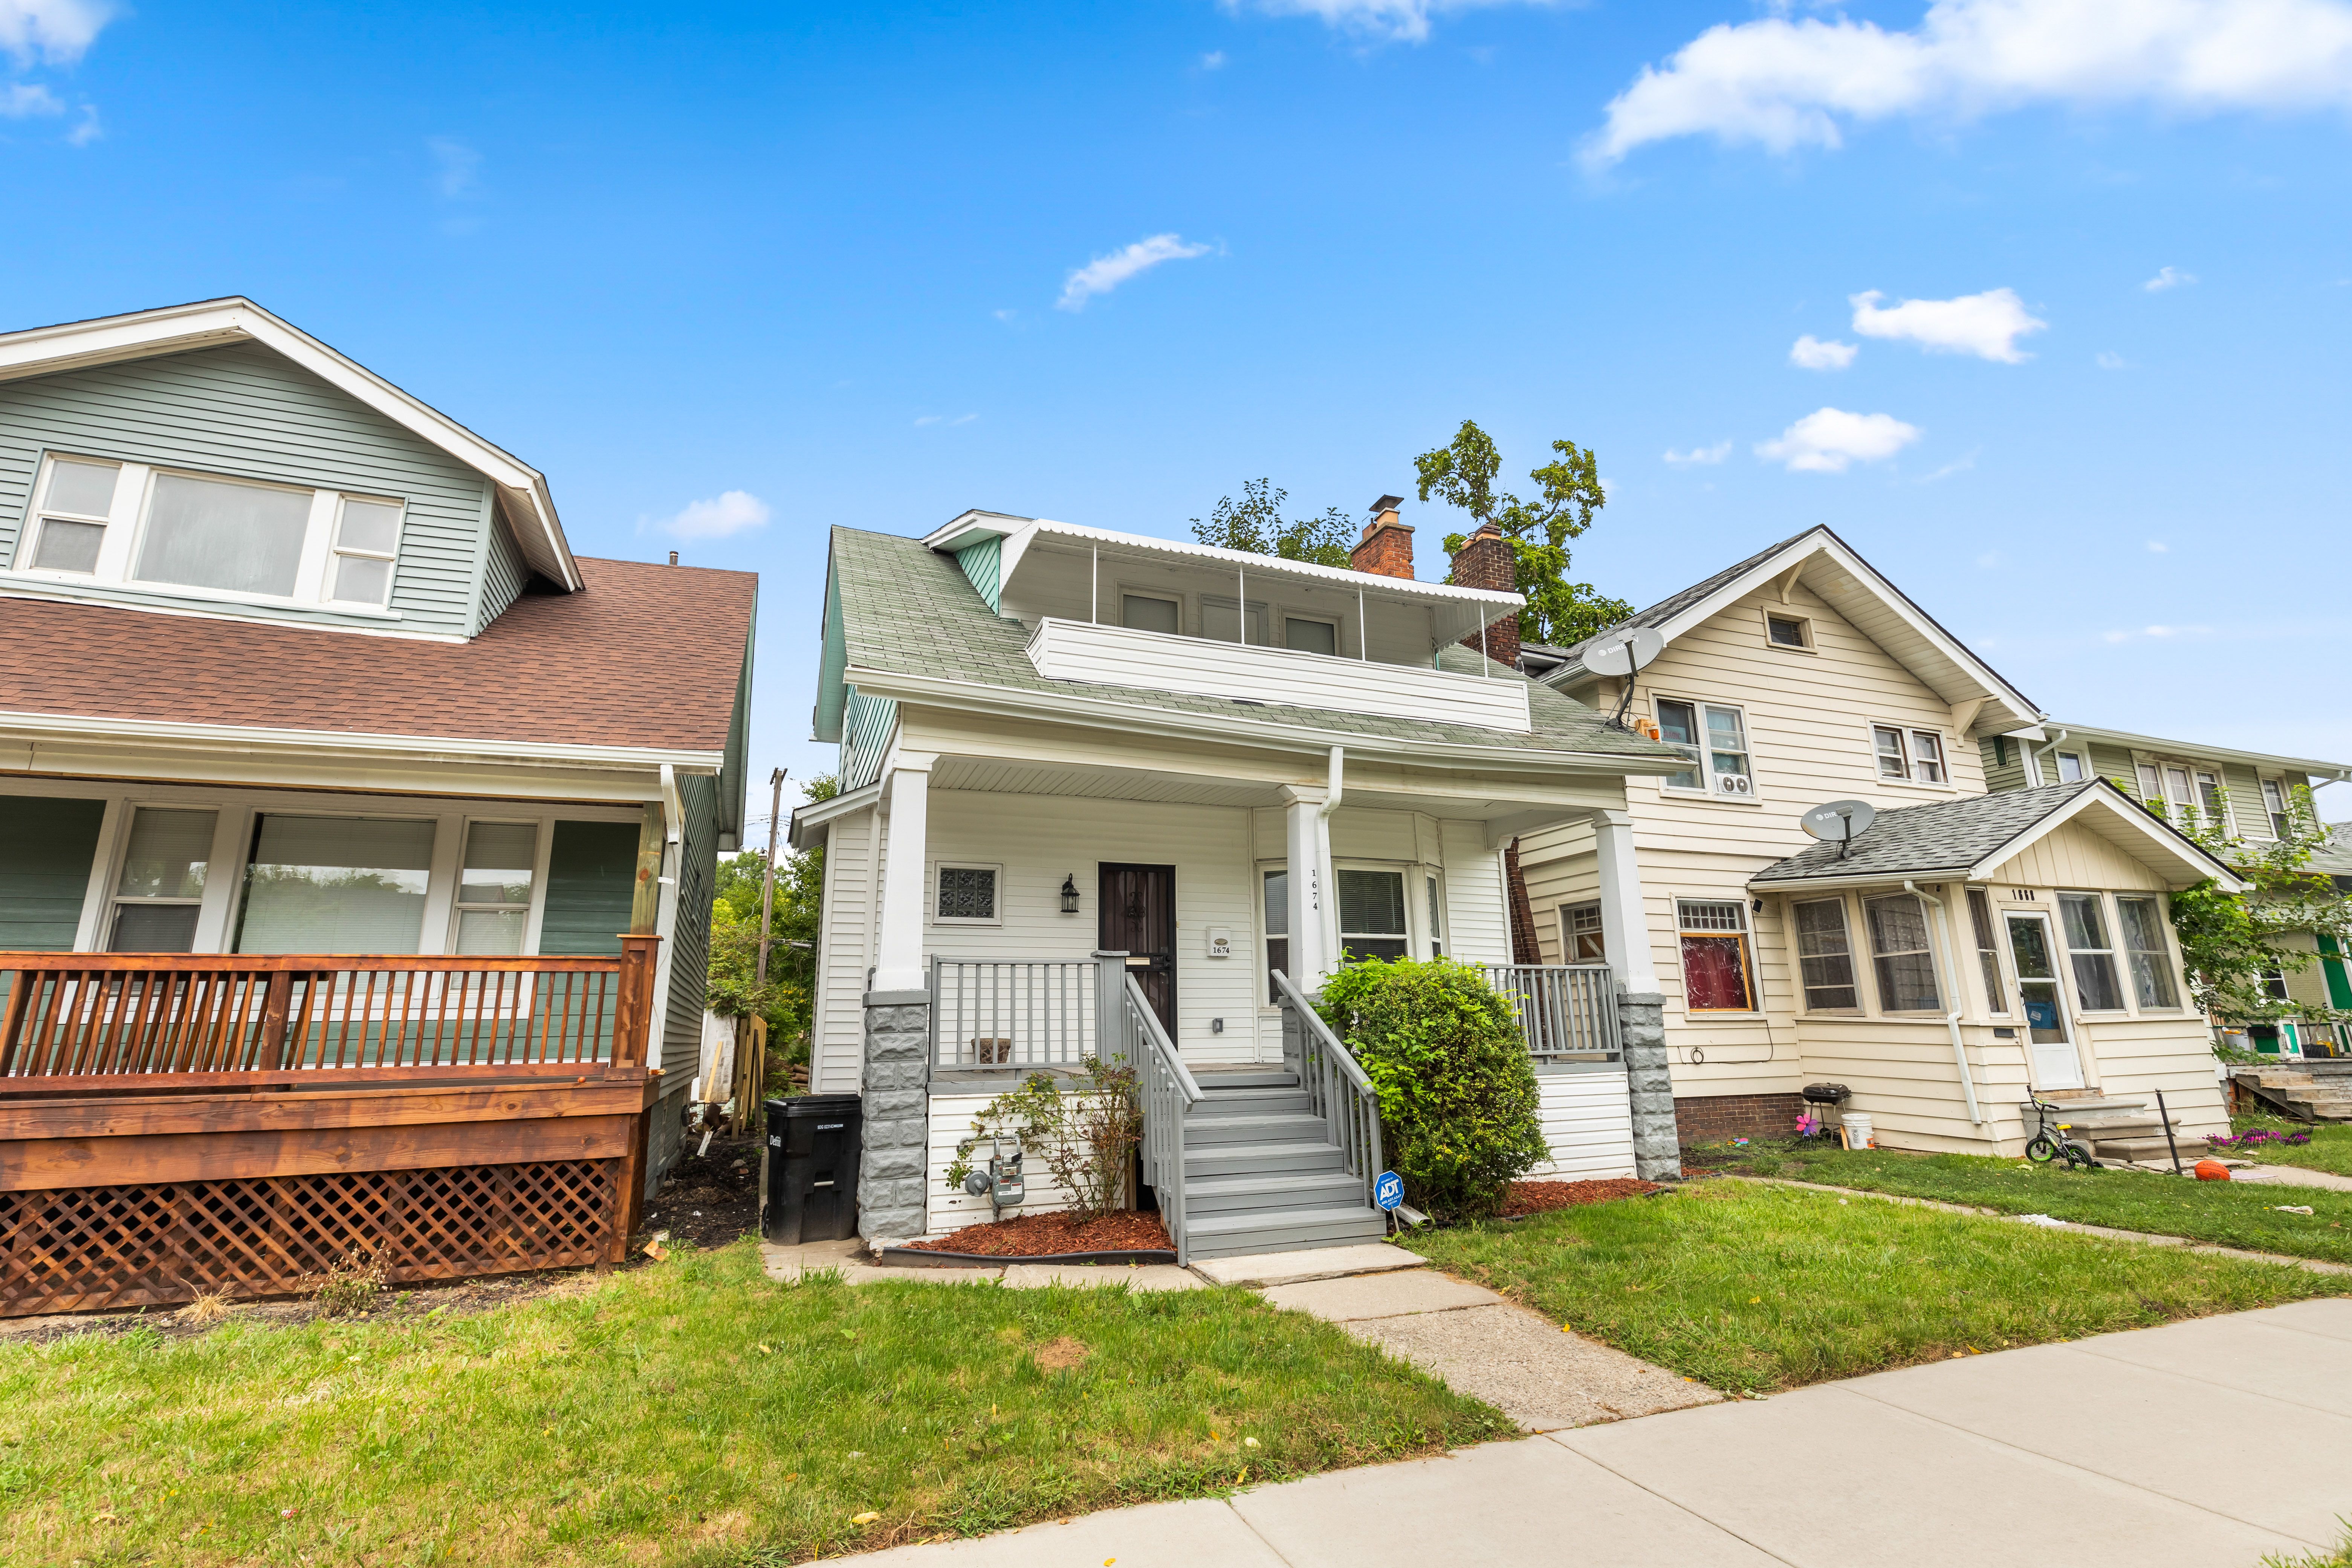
(223, 1017)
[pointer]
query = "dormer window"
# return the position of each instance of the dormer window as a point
(168, 531)
(74, 514)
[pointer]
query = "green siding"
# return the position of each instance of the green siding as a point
(697, 875)
(244, 411)
(2115, 762)
(504, 572)
(983, 563)
(2004, 762)
(46, 850)
(591, 876)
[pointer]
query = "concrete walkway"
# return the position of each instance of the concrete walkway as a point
(2082, 1453)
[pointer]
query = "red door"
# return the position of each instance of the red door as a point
(1139, 918)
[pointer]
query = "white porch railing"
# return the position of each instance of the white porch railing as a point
(1167, 1091)
(1566, 1011)
(1336, 1086)
(1020, 1013)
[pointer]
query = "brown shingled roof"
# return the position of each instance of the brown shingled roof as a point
(646, 655)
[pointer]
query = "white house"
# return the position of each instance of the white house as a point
(1060, 742)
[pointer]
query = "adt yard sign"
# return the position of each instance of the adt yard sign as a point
(1388, 1189)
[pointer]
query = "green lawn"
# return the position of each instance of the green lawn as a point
(2330, 1148)
(2228, 1213)
(1755, 1287)
(639, 1419)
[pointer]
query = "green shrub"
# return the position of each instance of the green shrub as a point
(1457, 1096)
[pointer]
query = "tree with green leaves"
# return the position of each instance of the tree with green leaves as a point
(1462, 474)
(1255, 523)
(732, 986)
(2230, 942)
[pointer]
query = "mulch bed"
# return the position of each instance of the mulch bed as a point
(1541, 1197)
(1049, 1234)
(708, 1200)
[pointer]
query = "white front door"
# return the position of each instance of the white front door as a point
(2055, 1065)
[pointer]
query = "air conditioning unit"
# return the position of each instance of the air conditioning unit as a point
(1733, 783)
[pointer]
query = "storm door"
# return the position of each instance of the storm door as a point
(2055, 1065)
(1139, 918)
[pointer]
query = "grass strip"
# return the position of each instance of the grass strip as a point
(688, 1412)
(2227, 1213)
(2330, 1148)
(1753, 1289)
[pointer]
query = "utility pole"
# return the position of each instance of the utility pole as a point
(768, 878)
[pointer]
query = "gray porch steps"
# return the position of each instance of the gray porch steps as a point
(1262, 1174)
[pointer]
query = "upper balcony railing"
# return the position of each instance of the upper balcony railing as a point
(1158, 661)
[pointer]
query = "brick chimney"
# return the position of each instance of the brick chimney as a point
(1386, 548)
(1484, 561)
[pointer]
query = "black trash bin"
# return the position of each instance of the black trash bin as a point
(812, 1168)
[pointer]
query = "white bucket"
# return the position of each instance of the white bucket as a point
(1857, 1129)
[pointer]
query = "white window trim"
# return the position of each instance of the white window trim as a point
(1187, 620)
(1284, 612)
(1907, 733)
(541, 839)
(1711, 789)
(1855, 956)
(1568, 931)
(1804, 627)
(2263, 785)
(126, 526)
(2001, 954)
(1935, 964)
(1416, 940)
(338, 549)
(2115, 954)
(931, 915)
(2165, 934)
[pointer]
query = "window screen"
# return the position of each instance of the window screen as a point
(1898, 946)
(1988, 955)
(1825, 954)
(2093, 954)
(1371, 914)
(335, 884)
(161, 884)
(2143, 946)
(1784, 631)
(1717, 976)
(494, 887)
(207, 533)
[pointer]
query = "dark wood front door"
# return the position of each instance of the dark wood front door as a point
(1139, 918)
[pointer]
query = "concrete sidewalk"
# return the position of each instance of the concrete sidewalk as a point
(2199, 1445)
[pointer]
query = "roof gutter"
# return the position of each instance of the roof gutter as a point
(420, 748)
(1952, 1018)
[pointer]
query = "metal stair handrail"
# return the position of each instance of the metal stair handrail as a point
(1168, 1090)
(1336, 1086)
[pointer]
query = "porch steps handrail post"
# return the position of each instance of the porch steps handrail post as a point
(1169, 1092)
(1338, 1089)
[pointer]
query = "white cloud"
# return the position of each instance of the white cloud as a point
(22, 99)
(1808, 353)
(1214, 60)
(56, 31)
(457, 167)
(1715, 453)
(1959, 465)
(721, 516)
(1787, 83)
(2168, 277)
(1987, 325)
(89, 130)
(1405, 21)
(2159, 547)
(2109, 360)
(2157, 634)
(1105, 273)
(1826, 440)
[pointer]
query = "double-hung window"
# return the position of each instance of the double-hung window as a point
(2151, 784)
(2274, 805)
(1987, 952)
(1899, 953)
(1581, 935)
(75, 509)
(2177, 796)
(1713, 738)
(494, 887)
(1371, 915)
(162, 885)
(367, 539)
(2145, 951)
(2093, 954)
(1437, 917)
(1825, 957)
(1277, 893)
(2069, 768)
(2212, 802)
(1718, 976)
(1912, 754)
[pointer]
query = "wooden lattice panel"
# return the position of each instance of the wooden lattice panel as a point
(79, 1248)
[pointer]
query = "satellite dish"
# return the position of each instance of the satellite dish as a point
(1624, 653)
(1839, 822)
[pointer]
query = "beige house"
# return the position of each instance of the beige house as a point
(1957, 959)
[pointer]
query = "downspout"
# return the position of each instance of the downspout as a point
(2033, 760)
(1952, 1018)
(1334, 785)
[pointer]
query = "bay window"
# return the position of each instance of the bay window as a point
(1719, 974)
(1371, 915)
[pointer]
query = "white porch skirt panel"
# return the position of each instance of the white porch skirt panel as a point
(943, 1211)
(1588, 1120)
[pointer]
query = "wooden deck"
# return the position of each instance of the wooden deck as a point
(177, 1124)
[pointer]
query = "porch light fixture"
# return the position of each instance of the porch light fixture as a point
(1070, 893)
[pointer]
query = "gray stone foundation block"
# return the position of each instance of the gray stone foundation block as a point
(1642, 1029)
(893, 1158)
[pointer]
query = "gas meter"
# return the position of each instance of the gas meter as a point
(1000, 1181)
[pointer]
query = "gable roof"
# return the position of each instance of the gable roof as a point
(649, 662)
(522, 493)
(1966, 841)
(901, 620)
(2193, 750)
(1858, 591)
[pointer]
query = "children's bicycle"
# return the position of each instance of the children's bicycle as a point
(2045, 1147)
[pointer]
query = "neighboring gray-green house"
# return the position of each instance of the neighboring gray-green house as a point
(291, 662)
(2248, 794)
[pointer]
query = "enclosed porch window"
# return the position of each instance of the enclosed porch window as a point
(1371, 915)
(161, 889)
(1899, 953)
(335, 884)
(1718, 974)
(1825, 955)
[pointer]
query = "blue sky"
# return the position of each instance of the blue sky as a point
(749, 273)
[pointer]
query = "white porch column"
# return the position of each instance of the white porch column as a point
(1624, 924)
(898, 945)
(1312, 948)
